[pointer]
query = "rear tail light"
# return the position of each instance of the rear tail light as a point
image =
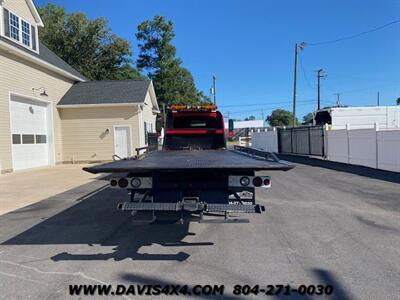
(132, 183)
(257, 181)
(245, 181)
(123, 183)
(249, 181)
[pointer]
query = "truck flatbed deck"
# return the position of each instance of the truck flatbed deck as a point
(181, 160)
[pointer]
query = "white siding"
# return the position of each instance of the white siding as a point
(85, 134)
(19, 76)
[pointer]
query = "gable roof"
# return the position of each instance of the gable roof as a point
(35, 13)
(49, 56)
(45, 56)
(107, 92)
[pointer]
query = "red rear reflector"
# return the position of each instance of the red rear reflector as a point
(113, 182)
(267, 181)
(123, 183)
(257, 181)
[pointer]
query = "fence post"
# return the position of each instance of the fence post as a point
(348, 142)
(291, 140)
(325, 141)
(377, 145)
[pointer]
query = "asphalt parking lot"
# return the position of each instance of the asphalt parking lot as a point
(322, 226)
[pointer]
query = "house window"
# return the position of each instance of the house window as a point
(28, 139)
(14, 26)
(19, 30)
(16, 139)
(40, 139)
(26, 33)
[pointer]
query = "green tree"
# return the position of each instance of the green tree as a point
(308, 118)
(87, 45)
(281, 117)
(398, 101)
(173, 83)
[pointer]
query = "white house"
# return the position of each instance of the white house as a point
(50, 113)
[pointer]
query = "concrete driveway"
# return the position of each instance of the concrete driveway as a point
(322, 226)
(23, 188)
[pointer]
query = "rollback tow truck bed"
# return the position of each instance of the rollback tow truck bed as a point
(179, 183)
(194, 173)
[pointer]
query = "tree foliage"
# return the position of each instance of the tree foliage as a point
(87, 45)
(173, 83)
(398, 101)
(281, 117)
(251, 118)
(308, 118)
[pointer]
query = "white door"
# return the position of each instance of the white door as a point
(29, 133)
(122, 143)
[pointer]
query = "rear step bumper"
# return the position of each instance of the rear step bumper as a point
(204, 207)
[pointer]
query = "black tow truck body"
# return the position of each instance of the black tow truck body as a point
(194, 174)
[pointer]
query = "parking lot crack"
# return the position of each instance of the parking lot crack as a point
(80, 274)
(23, 278)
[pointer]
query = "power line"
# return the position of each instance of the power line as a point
(305, 73)
(267, 108)
(259, 104)
(355, 35)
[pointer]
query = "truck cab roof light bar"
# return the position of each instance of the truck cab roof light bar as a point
(176, 108)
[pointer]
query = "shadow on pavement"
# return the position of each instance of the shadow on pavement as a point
(328, 278)
(94, 220)
(353, 169)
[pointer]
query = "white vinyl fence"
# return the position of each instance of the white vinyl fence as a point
(266, 141)
(373, 148)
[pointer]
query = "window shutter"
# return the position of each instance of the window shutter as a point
(33, 34)
(6, 22)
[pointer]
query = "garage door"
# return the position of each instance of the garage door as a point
(29, 133)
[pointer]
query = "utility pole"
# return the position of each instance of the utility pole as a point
(319, 76)
(377, 98)
(296, 52)
(338, 104)
(164, 116)
(214, 89)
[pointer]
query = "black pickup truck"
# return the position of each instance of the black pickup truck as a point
(194, 175)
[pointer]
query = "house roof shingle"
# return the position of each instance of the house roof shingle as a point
(46, 55)
(49, 56)
(106, 92)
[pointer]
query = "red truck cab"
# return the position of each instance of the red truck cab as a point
(194, 128)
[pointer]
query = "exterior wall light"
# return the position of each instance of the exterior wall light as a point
(43, 93)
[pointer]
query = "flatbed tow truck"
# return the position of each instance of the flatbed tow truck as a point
(194, 173)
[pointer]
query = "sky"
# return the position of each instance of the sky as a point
(249, 46)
